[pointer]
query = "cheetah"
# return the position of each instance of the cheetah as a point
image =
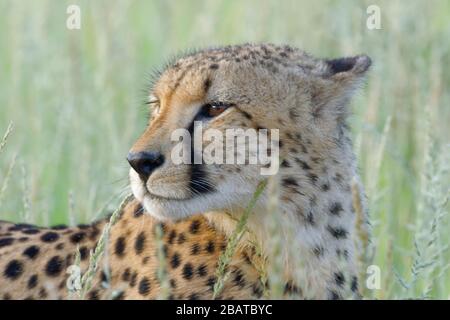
(197, 206)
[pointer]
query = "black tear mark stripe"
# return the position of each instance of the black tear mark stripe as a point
(198, 182)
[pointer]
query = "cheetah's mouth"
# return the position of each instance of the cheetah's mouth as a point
(168, 207)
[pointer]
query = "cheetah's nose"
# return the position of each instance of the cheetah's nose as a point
(144, 163)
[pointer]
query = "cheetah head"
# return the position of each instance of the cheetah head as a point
(236, 87)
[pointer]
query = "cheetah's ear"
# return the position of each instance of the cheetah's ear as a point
(338, 80)
(349, 66)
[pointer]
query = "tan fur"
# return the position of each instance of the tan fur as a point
(268, 86)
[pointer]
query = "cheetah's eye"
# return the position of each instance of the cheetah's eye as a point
(154, 107)
(213, 109)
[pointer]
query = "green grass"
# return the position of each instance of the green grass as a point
(75, 98)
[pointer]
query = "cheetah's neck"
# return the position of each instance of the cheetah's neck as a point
(314, 227)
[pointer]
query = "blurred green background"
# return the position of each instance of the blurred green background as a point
(75, 98)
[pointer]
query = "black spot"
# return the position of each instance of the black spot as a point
(172, 236)
(291, 288)
(138, 211)
(162, 226)
(139, 244)
(188, 271)
(126, 275)
(195, 249)
(32, 281)
(59, 227)
(312, 177)
(339, 278)
(30, 231)
(83, 226)
(239, 279)
(193, 296)
(338, 233)
(246, 258)
(210, 247)
(310, 218)
(104, 277)
(144, 286)
(318, 251)
(83, 253)
(93, 295)
(336, 209)
(77, 237)
(175, 261)
(59, 246)
(173, 283)
(95, 232)
(13, 269)
(42, 293)
(54, 266)
(21, 226)
(354, 284)
(342, 253)
(50, 237)
(333, 295)
(133, 279)
(202, 270)
(325, 187)
(6, 242)
(214, 66)
(257, 291)
(120, 246)
(194, 227)
(285, 164)
(31, 252)
(181, 238)
(211, 282)
(289, 182)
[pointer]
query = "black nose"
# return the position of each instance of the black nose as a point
(144, 163)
